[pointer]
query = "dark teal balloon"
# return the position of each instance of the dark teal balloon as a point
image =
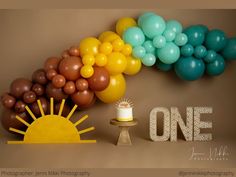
(215, 40)
(196, 35)
(211, 56)
(217, 67)
(204, 28)
(229, 52)
(162, 66)
(189, 68)
(187, 50)
(200, 51)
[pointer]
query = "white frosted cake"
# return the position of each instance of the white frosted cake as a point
(124, 111)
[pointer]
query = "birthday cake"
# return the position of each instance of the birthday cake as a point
(124, 111)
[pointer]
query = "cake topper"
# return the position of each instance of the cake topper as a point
(124, 103)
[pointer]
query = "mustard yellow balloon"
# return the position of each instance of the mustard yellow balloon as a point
(116, 63)
(127, 49)
(117, 45)
(89, 46)
(100, 59)
(124, 23)
(105, 48)
(108, 36)
(88, 60)
(134, 65)
(86, 71)
(104, 34)
(115, 90)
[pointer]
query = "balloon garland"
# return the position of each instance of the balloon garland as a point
(95, 68)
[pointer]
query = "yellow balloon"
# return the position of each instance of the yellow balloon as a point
(105, 48)
(89, 46)
(117, 44)
(88, 60)
(127, 49)
(104, 35)
(108, 36)
(114, 91)
(116, 63)
(87, 71)
(124, 23)
(134, 65)
(101, 59)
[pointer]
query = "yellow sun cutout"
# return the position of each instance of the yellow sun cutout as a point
(51, 128)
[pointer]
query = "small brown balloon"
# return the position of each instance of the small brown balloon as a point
(8, 101)
(20, 106)
(83, 99)
(51, 73)
(74, 51)
(81, 84)
(29, 97)
(58, 81)
(19, 86)
(35, 108)
(8, 120)
(70, 68)
(56, 93)
(51, 63)
(99, 80)
(39, 76)
(65, 112)
(69, 87)
(38, 89)
(65, 54)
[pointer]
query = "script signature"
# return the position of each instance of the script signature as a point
(214, 153)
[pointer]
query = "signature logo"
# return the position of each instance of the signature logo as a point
(214, 153)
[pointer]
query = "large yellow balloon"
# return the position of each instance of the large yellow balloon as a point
(124, 23)
(114, 91)
(89, 46)
(134, 65)
(116, 63)
(108, 36)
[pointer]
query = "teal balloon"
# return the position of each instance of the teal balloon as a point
(149, 59)
(181, 39)
(153, 25)
(204, 28)
(217, 67)
(169, 35)
(138, 52)
(169, 54)
(200, 51)
(187, 50)
(229, 52)
(215, 40)
(134, 36)
(159, 41)
(149, 47)
(211, 56)
(189, 68)
(143, 16)
(195, 35)
(174, 25)
(162, 66)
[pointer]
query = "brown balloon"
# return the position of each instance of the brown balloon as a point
(65, 54)
(56, 93)
(38, 89)
(70, 68)
(29, 97)
(19, 86)
(8, 101)
(35, 108)
(65, 112)
(81, 84)
(74, 51)
(99, 80)
(51, 63)
(39, 76)
(8, 120)
(51, 73)
(20, 106)
(83, 99)
(58, 81)
(69, 87)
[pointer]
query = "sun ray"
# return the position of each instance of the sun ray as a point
(51, 106)
(81, 120)
(30, 112)
(17, 131)
(71, 112)
(86, 130)
(61, 107)
(40, 108)
(22, 121)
